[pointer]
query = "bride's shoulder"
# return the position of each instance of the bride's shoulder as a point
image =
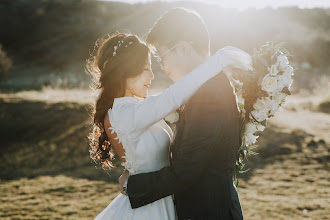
(122, 101)
(118, 114)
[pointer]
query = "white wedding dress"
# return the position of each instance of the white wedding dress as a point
(146, 154)
(146, 138)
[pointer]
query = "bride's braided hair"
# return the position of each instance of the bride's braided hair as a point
(113, 59)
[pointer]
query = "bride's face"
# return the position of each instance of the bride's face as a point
(140, 84)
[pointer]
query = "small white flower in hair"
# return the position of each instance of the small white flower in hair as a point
(114, 54)
(115, 47)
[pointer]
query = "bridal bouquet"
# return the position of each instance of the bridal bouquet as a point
(260, 93)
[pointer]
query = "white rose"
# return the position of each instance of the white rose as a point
(172, 118)
(264, 107)
(288, 70)
(269, 83)
(281, 82)
(250, 138)
(279, 97)
(273, 70)
(253, 127)
(282, 62)
(274, 106)
(269, 105)
(250, 128)
(259, 115)
(263, 104)
(260, 104)
(287, 75)
(260, 127)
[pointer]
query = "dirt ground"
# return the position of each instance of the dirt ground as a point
(46, 172)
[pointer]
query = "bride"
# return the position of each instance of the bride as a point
(129, 122)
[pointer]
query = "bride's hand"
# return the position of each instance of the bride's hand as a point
(235, 58)
(122, 180)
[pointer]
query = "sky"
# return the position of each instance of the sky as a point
(244, 4)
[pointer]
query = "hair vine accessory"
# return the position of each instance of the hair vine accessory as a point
(129, 44)
(119, 44)
(115, 49)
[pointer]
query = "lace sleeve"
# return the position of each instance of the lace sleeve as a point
(122, 138)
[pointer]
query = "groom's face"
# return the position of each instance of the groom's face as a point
(178, 60)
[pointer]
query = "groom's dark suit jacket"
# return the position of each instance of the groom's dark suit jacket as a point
(202, 159)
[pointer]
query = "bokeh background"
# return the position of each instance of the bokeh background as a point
(45, 169)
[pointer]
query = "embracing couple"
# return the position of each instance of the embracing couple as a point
(188, 175)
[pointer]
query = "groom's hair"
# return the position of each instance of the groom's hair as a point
(180, 24)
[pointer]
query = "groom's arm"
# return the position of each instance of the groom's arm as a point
(190, 158)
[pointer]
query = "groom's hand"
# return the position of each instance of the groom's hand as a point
(122, 180)
(234, 58)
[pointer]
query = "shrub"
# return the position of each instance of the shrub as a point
(5, 63)
(325, 106)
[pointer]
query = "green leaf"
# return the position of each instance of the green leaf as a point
(278, 46)
(240, 105)
(276, 49)
(252, 146)
(285, 51)
(263, 61)
(264, 123)
(244, 171)
(252, 153)
(263, 47)
(286, 91)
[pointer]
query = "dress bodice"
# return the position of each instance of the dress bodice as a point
(152, 148)
(148, 152)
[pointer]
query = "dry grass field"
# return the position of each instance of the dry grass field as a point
(46, 172)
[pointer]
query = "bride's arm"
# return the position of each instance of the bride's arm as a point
(141, 114)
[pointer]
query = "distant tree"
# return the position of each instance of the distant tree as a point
(5, 63)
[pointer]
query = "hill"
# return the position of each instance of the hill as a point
(57, 35)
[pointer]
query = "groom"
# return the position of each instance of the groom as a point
(202, 158)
